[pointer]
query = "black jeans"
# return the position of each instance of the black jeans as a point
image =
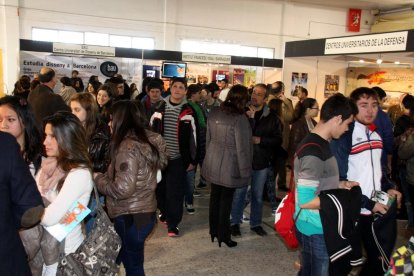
(221, 199)
(172, 192)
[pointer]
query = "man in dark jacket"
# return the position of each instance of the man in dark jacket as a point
(20, 204)
(267, 138)
(43, 100)
(176, 121)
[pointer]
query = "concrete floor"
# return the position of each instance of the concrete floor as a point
(193, 253)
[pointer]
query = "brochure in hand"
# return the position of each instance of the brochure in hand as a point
(76, 213)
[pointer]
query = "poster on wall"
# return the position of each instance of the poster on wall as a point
(31, 62)
(298, 80)
(389, 79)
(191, 78)
(238, 76)
(61, 64)
(331, 85)
(203, 79)
(250, 78)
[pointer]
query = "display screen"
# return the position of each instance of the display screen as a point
(150, 71)
(220, 77)
(173, 70)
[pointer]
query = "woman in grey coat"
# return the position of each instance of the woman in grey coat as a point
(228, 161)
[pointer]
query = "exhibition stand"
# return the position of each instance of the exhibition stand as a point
(135, 64)
(330, 65)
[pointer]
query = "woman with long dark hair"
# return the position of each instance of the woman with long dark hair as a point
(84, 107)
(228, 161)
(104, 100)
(16, 118)
(129, 184)
(65, 177)
(303, 124)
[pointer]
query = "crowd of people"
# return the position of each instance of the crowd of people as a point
(142, 152)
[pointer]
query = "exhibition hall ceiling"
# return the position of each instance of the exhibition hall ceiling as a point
(367, 5)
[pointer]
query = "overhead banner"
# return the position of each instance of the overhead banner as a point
(32, 62)
(386, 42)
(192, 57)
(354, 20)
(78, 49)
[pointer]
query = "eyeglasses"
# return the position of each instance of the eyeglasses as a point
(317, 108)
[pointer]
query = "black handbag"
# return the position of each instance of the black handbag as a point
(98, 252)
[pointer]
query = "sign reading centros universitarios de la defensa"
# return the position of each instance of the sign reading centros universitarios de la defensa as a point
(374, 43)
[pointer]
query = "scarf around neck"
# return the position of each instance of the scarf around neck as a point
(50, 175)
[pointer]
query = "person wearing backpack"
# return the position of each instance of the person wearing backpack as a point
(316, 170)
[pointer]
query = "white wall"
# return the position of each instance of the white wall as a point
(264, 23)
(9, 43)
(316, 68)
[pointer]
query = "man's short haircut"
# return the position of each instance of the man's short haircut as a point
(408, 102)
(153, 84)
(337, 105)
(182, 80)
(213, 87)
(75, 71)
(193, 89)
(47, 75)
(264, 86)
(66, 81)
(363, 92)
(380, 92)
(303, 90)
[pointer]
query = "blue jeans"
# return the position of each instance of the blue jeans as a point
(314, 256)
(238, 204)
(271, 188)
(133, 239)
(189, 186)
(259, 178)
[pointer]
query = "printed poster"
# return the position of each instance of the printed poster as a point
(331, 85)
(389, 79)
(238, 76)
(298, 80)
(249, 78)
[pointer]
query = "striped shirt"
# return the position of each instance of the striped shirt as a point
(315, 170)
(171, 128)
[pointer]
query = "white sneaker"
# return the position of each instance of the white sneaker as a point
(190, 209)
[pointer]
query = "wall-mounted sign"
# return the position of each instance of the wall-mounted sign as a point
(192, 57)
(109, 69)
(77, 49)
(386, 42)
(354, 20)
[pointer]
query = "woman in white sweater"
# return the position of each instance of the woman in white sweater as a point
(65, 176)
